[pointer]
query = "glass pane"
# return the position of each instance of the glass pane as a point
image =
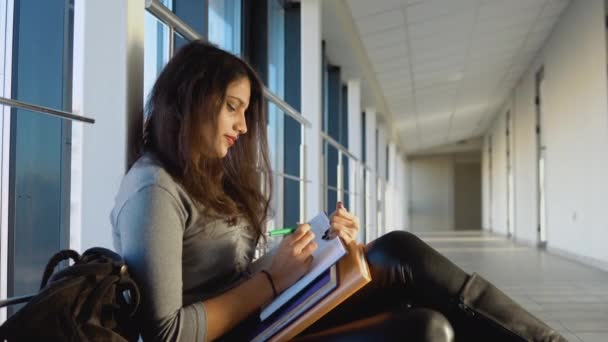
(331, 165)
(292, 140)
(275, 137)
(156, 50)
(191, 12)
(39, 183)
(276, 49)
(225, 24)
(291, 203)
(332, 199)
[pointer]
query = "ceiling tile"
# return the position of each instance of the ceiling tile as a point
(460, 23)
(363, 8)
(435, 58)
(384, 38)
(380, 22)
(511, 8)
(437, 8)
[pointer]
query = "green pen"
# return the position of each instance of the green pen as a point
(281, 232)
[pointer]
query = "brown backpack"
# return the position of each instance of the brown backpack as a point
(94, 299)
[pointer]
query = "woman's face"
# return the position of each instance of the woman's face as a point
(231, 119)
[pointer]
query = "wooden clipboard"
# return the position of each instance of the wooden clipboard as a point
(353, 274)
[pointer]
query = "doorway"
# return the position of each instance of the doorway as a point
(510, 183)
(541, 161)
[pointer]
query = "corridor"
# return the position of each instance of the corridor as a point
(569, 296)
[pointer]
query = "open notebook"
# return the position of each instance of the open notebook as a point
(327, 253)
(298, 305)
(353, 274)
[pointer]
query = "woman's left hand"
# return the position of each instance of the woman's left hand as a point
(344, 224)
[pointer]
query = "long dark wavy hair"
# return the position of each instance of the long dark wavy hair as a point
(190, 92)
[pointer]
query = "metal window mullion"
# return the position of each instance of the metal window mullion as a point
(171, 41)
(340, 178)
(303, 176)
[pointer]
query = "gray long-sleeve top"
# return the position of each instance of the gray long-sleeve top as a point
(178, 256)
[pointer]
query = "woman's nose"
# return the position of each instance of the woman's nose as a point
(241, 125)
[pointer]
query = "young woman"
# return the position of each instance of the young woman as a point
(190, 212)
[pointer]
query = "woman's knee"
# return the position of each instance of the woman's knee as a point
(427, 325)
(398, 244)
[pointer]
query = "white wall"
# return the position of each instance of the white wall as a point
(108, 86)
(525, 159)
(396, 193)
(371, 194)
(403, 171)
(432, 194)
(311, 102)
(485, 185)
(499, 174)
(575, 127)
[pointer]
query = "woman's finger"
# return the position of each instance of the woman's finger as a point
(342, 212)
(336, 228)
(309, 249)
(342, 221)
(301, 243)
(301, 231)
(345, 235)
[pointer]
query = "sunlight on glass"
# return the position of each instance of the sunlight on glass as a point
(225, 24)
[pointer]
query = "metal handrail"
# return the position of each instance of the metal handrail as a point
(165, 15)
(338, 146)
(162, 13)
(288, 176)
(45, 110)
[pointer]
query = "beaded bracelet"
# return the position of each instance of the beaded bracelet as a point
(274, 289)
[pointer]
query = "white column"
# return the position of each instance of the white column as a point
(382, 185)
(310, 20)
(402, 174)
(371, 192)
(108, 86)
(354, 146)
(393, 210)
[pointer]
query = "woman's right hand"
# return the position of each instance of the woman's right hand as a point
(293, 257)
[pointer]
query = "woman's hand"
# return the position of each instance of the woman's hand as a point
(293, 257)
(344, 224)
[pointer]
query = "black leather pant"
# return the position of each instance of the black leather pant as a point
(413, 296)
(416, 294)
(407, 275)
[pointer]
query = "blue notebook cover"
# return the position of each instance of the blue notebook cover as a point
(304, 300)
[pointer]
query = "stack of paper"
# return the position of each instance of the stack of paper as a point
(337, 272)
(327, 254)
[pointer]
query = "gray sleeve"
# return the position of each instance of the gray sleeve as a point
(151, 224)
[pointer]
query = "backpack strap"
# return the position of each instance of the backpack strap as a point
(94, 302)
(15, 300)
(93, 269)
(56, 259)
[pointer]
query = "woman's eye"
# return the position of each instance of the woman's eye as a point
(231, 107)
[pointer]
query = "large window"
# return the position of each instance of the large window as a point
(39, 156)
(272, 31)
(335, 125)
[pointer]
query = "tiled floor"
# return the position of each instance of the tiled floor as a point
(571, 297)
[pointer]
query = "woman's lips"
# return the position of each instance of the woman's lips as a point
(231, 140)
